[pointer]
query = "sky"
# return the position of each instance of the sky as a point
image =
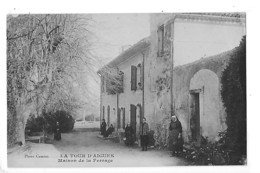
(109, 32)
(112, 31)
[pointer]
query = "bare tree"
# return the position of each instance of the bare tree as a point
(45, 56)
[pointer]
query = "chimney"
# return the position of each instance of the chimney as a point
(124, 48)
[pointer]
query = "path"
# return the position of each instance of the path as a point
(93, 152)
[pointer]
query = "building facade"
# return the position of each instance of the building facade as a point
(126, 105)
(182, 67)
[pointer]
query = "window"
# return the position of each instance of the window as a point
(103, 117)
(133, 78)
(160, 34)
(102, 84)
(139, 76)
(121, 79)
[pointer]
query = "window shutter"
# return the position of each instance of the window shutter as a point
(133, 77)
(160, 34)
(118, 119)
(123, 109)
(102, 84)
(142, 76)
(108, 115)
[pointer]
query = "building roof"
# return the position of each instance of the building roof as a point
(130, 52)
(220, 17)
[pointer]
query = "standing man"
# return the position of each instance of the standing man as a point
(144, 135)
(103, 128)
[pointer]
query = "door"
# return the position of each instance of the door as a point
(133, 117)
(118, 119)
(108, 115)
(195, 117)
(123, 117)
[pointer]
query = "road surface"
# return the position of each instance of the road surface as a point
(85, 149)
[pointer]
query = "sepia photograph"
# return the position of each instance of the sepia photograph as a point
(126, 89)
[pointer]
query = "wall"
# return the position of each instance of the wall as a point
(203, 74)
(111, 101)
(128, 96)
(195, 39)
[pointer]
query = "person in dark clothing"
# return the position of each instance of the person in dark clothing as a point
(109, 130)
(175, 138)
(144, 135)
(57, 134)
(103, 127)
(129, 132)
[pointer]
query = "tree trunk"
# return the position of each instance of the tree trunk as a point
(20, 129)
(23, 113)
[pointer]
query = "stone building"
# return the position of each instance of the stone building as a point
(181, 66)
(122, 94)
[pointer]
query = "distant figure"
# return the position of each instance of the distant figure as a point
(103, 127)
(57, 134)
(109, 130)
(144, 135)
(176, 141)
(129, 135)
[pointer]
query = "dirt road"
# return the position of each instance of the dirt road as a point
(85, 149)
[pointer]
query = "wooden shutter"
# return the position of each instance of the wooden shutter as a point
(102, 84)
(160, 34)
(133, 77)
(118, 119)
(108, 115)
(133, 117)
(141, 113)
(123, 109)
(142, 75)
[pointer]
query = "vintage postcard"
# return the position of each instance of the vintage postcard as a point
(126, 89)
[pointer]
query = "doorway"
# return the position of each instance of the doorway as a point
(133, 117)
(195, 117)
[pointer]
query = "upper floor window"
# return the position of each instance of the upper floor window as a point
(133, 77)
(160, 34)
(136, 77)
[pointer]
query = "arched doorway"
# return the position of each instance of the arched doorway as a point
(204, 105)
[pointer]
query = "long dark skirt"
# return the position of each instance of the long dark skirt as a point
(144, 140)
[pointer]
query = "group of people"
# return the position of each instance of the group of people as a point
(104, 131)
(175, 134)
(130, 135)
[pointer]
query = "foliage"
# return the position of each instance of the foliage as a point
(35, 124)
(112, 80)
(210, 153)
(161, 136)
(234, 98)
(46, 55)
(47, 122)
(66, 121)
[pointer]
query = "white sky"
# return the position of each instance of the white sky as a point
(112, 31)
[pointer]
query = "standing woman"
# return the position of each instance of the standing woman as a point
(175, 137)
(103, 127)
(144, 135)
(57, 134)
